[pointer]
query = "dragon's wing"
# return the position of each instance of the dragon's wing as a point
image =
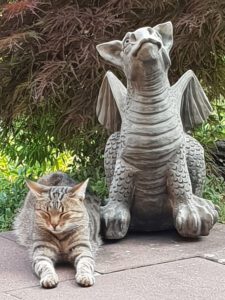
(192, 101)
(111, 102)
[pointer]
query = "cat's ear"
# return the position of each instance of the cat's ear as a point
(79, 190)
(36, 188)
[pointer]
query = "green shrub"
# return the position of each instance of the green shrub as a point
(14, 169)
(214, 190)
(211, 131)
(214, 128)
(12, 183)
(11, 194)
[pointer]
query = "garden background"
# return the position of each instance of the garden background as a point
(50, 74)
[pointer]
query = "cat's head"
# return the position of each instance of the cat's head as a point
(59, 208)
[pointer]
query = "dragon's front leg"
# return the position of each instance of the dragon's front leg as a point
(115, 214)
(193, 216)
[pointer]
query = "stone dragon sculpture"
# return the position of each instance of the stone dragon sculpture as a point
(155, 171)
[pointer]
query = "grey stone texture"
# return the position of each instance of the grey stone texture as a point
(158, 266)
(155, 171)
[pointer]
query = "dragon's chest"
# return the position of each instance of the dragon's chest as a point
(152, 142)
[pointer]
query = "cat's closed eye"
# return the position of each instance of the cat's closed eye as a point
(72, 214)
(43, 213)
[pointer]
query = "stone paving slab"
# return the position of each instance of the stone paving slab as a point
(154, 248)
(15, 267)
(9, 235)
(218, 256)
(189, 279)
(4, 296)
(130, 254)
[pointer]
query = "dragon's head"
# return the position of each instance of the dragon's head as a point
(144, 50)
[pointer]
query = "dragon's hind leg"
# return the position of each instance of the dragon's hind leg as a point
(110, 155)
(196, 164)
(193, 216)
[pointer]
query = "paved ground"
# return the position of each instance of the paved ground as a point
(154, 266)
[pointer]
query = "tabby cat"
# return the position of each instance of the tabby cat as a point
(58, 222)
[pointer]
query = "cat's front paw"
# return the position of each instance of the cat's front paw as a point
(49, 281)
(85, 279)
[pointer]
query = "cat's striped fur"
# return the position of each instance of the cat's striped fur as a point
(58, 222)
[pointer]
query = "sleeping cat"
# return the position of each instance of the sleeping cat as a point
(58, 222)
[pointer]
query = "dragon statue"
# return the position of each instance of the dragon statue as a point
(155, 171)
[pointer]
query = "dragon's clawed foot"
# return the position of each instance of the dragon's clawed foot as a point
(115, 220)
(195, 218)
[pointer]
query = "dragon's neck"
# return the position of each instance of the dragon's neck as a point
(150, 88)
(149, 96)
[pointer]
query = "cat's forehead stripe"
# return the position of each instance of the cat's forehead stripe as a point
(56, 194)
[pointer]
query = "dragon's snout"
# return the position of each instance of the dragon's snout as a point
(145, 39)
(148, 42)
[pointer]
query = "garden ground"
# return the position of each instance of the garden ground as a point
(156, 266)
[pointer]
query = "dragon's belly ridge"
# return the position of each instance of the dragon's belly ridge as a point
(151, 207)
(151, 211)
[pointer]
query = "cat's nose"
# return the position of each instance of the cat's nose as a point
(54, 226)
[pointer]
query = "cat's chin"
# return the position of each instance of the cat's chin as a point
(62, 231)
(56, 232)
